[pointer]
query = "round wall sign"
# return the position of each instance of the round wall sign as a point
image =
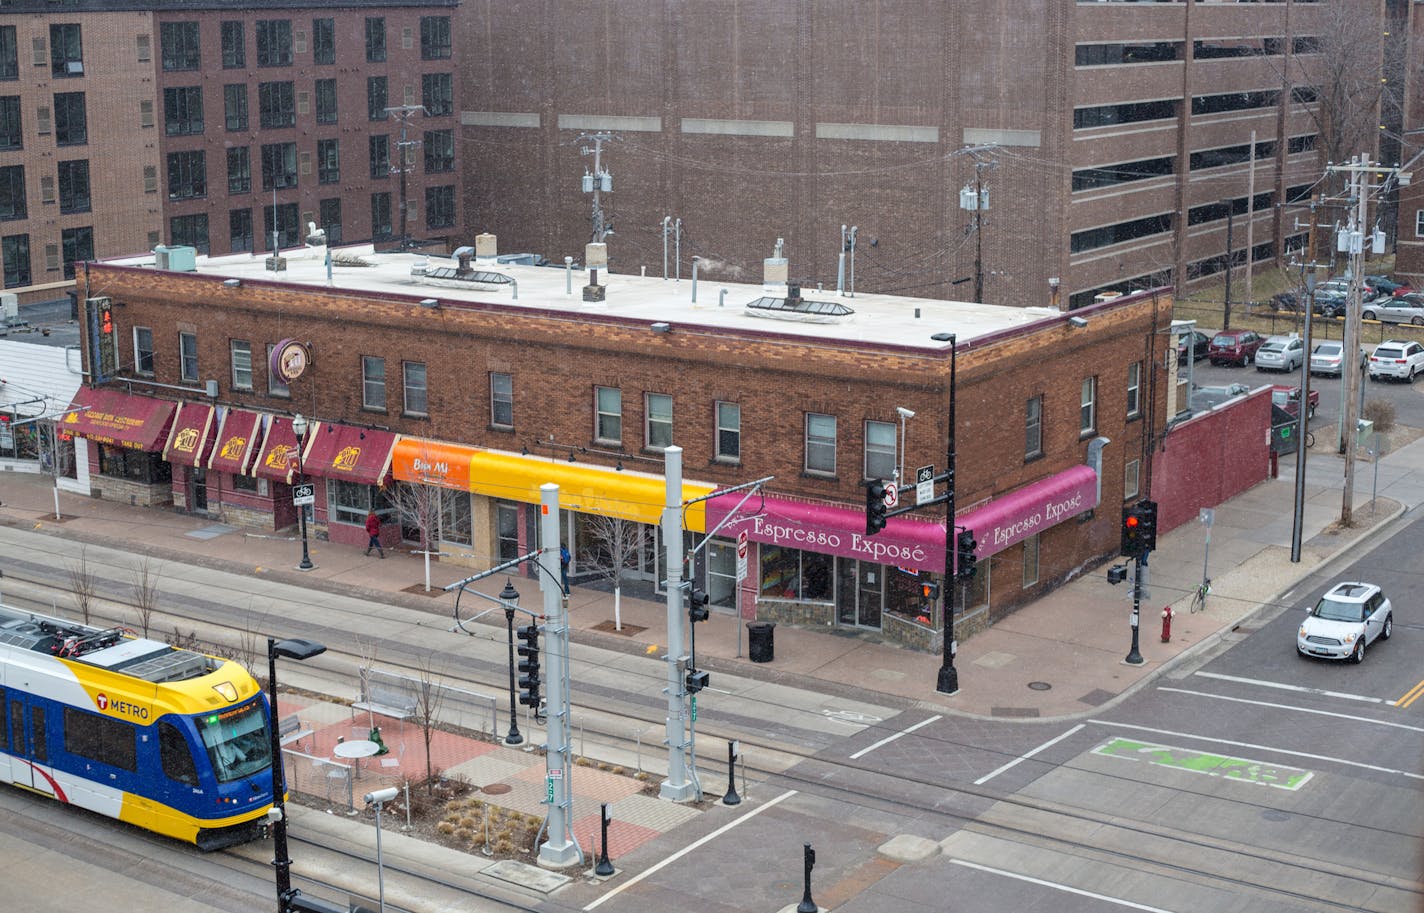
(290, 359)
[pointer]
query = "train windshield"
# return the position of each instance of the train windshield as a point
(237, 741)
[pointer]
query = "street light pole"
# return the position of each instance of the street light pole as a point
(299, 428)
(509, 596)
(281, 862)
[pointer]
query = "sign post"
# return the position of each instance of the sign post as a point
(742, 548)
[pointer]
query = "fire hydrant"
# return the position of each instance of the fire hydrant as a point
(1167, 614)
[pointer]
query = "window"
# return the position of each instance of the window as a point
(1213, 212)
(70, 126)
(239, 170)
(235, 106)
(729, 431)
(1234, 101)
(380, 147)
(12, 134)
(188, 356)
(326, 101)
(286, 225)
(658, 409)
(239, 230)
(1093, 238)
(1418, 223)
(328, 161)
(100, 739)
(1030, 561)
(350, 502)
(608, 406)
(375, 39)
(1303, 143)
(15, 256)
(434, 37)
(1127, 113)
(413, 384)
(789, 573)
(175, 757)
(191, 230)
(274, 42)
(275, 385)
(276, 105)
(376, 97)
(66, 51)
(12, 192)
(1033, 427)
(77, 245)
(380, 216)
(234, 46)
(329, 219)
(183, 111)
(143, 350)
(241, 364)
(1231, 155)
(373, 382)
(323, 41)
(9, 53)
(1088, 406)
(74, 186)
(187, 175)
(1130, 483)
(820, 443)
(279, 165)
(440, 207)
(502, 400)
(1126, 172)
(437, 94)
(137, 465)
(1134, 389)
(1099, 55)
(880, 461)
(178, 45)
(439, 148)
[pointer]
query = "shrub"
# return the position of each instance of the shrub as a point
(1381, 412)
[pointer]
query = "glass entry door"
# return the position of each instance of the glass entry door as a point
(860, 586)
(198, 502)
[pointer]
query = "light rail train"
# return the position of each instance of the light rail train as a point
(167, 739)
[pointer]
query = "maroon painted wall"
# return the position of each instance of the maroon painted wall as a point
(1211, 458)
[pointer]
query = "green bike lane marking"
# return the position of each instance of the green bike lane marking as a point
(1261, 773)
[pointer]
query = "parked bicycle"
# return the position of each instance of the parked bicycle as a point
(1199, 597)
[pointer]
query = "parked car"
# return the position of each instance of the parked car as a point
(1288, 398)
(1325, 359)
(1287, 301)
(1195, 342)
(1404, 309)
(1330, 303)
(1398, 359)
(1234, 347)
(1280, 353)
(1344, 621)
(1342, 287)
(1383, 285)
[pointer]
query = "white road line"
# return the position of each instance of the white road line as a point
(1024, 757)
(1343, 716)
(1271, 748)
(689, 848)
(1059, 887)
(890, 738)
(1300, 688)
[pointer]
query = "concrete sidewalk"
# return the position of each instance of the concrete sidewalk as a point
(1059, 656)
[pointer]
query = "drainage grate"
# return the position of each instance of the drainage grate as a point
(1040, 686)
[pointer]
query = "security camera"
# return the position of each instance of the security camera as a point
(382, 795)
(905, 413)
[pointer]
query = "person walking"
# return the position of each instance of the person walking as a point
(373, 529)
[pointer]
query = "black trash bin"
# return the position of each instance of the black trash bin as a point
(761, 641)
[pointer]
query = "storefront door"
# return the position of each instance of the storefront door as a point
(198, 490)
(859, 593)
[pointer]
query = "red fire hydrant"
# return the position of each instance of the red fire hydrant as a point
(1167, 614)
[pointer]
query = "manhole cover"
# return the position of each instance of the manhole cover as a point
(1039, 686)
(496, 789)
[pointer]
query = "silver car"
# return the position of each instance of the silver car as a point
(1326, 357)
(1404, 309)
(1280, 353)
(1345, 621)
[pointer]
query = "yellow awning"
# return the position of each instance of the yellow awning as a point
(514, 477)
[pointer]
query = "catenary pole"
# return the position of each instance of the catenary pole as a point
(560, 849)
(677, 787)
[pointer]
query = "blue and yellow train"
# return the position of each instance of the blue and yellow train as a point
(167, 739)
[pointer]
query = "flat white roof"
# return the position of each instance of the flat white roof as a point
(880, 319)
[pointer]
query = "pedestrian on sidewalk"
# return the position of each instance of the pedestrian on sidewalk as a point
(373, 529)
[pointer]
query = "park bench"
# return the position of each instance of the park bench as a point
(290, 729)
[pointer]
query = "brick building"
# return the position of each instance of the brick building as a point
(470, 384)
(1121, 134)
(215, 121)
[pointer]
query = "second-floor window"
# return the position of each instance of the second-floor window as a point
(274, 42)
(183, 111)
(658, 433)
(241, 364)
(1088, 406)
(373, 382)
(502, 400)
(143, 350)
(1033, 427)
(880, 462)
(820, 443)
(729, 431)
(188, 356)
(608, 405)
(275, 385)
(413, 385)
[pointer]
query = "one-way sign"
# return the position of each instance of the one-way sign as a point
(303, 495)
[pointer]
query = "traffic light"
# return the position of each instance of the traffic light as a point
(965, 560)
(929, 591)
(697, 679)
(1147, 523)
(529, 680)
(1132, 546)
(697, 606)
(874, 506)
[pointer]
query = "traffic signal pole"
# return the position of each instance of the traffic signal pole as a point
(948, 679)
(560, 849)
(1134, 657)
(677, 787)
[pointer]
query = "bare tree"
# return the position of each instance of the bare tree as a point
(617, 543)
(83, 585)
(427, 706)
(145, 592)
(56, 456)
(417, 508)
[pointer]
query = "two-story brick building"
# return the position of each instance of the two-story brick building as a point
(475, 382)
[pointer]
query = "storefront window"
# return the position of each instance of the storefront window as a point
(905, 597)
(789, 573)
(21, 443)
(350, 502)
(134, 465)
(244, 483)
(506, 522)
(455, 525)
(722, 573)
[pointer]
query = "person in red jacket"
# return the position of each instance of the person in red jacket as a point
(373, 529)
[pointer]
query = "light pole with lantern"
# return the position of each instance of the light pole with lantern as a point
(299, 428)
(298, 649)
(509, 598)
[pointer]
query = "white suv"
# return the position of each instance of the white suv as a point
(1280, 353)
(1345, 619)
(1399, 359)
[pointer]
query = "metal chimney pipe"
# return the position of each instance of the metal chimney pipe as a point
(696, 261)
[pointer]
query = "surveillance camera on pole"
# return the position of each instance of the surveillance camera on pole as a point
(382, 795)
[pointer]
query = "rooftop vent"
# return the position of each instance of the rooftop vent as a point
(794, 307)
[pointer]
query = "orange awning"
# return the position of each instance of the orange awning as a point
(189, 439)
(237, 439)
(120, 419)
(432, 463)
(344, 452)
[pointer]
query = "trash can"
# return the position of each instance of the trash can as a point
(761, 641)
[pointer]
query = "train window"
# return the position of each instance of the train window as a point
(37, 726)
(237, 741)
(4, 729)
(176, 756)
(99, 738)
(17, 726)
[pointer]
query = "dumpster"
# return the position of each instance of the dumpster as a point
(761, 646)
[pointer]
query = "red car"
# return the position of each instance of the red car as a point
(1288, 398)
(1234, 347)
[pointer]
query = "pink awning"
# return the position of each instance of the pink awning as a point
(1032, 508)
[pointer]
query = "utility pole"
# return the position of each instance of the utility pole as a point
(1230, 256)
(1353, 237)
(975, 199)
(403, 149)
(1250, 220)
(598, 183)
(677, 787)
(560, 849)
